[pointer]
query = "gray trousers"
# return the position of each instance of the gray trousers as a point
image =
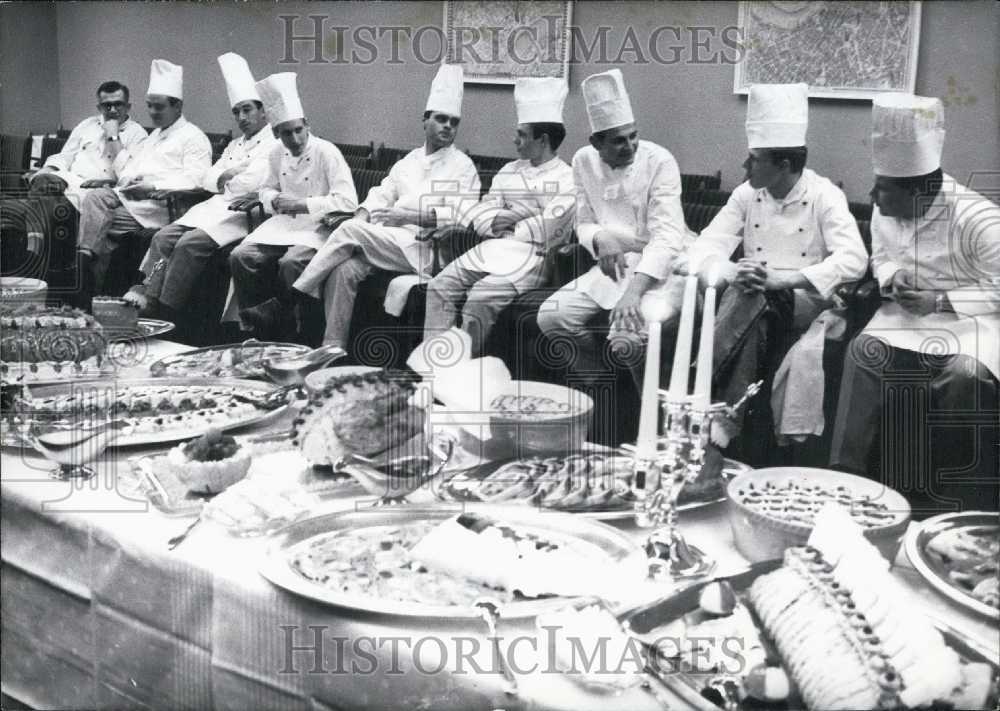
(263, 271)
(103, 216)
(485, 294)
(366, 247)
(184, 253)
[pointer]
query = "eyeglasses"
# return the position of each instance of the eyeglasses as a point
(112, 104)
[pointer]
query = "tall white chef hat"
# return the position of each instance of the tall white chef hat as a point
(280, 97)
(907, 135)
(446, 90)
(777, 115)
(166, 79)
(239, 80)
(540, 99)
(607, 101)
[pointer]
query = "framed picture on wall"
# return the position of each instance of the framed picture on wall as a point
(498, 42)
(842, 50)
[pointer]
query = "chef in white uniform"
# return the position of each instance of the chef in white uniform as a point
(175, 156)
(528, 211)
(628, 216)
(428, 188)
(800, 242)
(936, 256)
(307, 179)
(180, 251)
(85, 160)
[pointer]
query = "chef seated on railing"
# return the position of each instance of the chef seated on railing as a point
(799, 242)
(180, 252)
(935, 342)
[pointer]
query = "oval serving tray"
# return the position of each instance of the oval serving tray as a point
(915, 545)
(277, 568)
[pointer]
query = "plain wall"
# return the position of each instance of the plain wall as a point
(29, 68)
(686, 106)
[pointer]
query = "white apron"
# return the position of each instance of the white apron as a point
(602, 288)
(509, 258)
(214, 217)
(977, 337)
(288, 230)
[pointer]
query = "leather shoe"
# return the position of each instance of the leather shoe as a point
(263, 318)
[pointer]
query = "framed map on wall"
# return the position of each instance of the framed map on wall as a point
(498, 42)
(847, 50)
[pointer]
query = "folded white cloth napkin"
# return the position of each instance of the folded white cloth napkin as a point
(797, 393)
(398, 292)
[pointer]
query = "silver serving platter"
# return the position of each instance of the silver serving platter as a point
(245, 387)
(215, 354)
(145, 328)
(276, 567)
(916, 550)
(649, 621)
(730, 470)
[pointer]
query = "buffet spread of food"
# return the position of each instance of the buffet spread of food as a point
(820, 628)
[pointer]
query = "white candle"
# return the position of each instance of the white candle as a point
(685, 333)
(649, 412)
(703, 374)
(655, 309)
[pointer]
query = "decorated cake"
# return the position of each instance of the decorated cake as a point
(115, 313)
(363, 414)
(62, 340)
(209, 464)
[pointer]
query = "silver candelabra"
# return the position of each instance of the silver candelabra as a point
(658, 481)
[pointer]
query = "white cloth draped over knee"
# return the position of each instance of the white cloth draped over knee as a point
(797, 393)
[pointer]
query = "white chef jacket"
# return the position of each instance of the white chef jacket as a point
(213, 216)
(545, 196)
(321, 176)
(446, 180)
(172, 158)
(643, 198)
(810, 230)
(85, 155)
(954, 247)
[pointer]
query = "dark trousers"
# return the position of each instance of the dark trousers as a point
(926, 426)
(186, 252)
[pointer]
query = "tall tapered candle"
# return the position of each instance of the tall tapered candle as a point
(655, 310)
(685, 333)
(703, 374)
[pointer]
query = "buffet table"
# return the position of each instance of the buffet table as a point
(98, 613)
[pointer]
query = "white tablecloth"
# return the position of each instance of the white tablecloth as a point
(98, 613)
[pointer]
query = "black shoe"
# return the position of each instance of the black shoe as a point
(264, 319)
